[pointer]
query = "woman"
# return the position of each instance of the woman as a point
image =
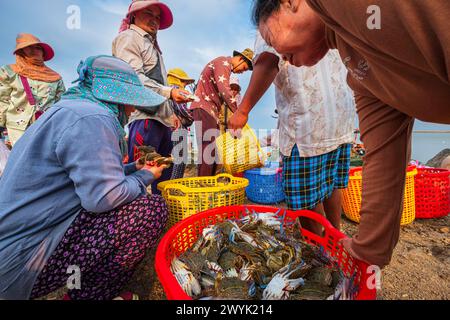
(67, 203)
(28, 87)
(179, 79)
(137, 44)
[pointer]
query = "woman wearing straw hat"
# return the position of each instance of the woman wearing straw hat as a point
(137, 45)
(28, 87)
(179, 79)
(68, 206)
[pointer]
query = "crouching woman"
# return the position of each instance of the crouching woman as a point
(67, 202)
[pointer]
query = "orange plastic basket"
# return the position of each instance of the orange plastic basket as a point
(432, 187)
(183, 235)
(351, 197)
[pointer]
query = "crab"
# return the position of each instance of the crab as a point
(226, 227)
(149, 154)
(312, 291)
(321, 275)
(255, 273)
(232, 288)
(346, 289)
(214, 268)
(209, 244)
(269, 219)
(229, 261)
(280, 285)
(237, 232)
(185, 278)
(248, 252)
(279, 259)
(194, 260)
(267, 241)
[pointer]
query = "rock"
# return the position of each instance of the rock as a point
(437, 160)
(444, 230)
(446, 163)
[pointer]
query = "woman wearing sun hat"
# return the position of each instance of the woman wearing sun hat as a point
(69, 203)
(28, 87)
(137, 44)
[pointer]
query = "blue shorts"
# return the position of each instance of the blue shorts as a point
(309, 181)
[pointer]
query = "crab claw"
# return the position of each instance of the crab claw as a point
(280, 286)
(214, 267)
(345, 290)
(185, 278)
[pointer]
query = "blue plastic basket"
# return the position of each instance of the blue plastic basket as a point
(266, 185)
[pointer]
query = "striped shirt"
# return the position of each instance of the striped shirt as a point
(315, 105)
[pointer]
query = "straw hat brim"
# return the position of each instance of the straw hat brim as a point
(49, 53)
(249, 62)
(166, 14)
(187, 80)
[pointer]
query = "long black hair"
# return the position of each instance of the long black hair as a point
(262, 9)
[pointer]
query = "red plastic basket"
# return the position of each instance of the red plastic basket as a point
(184, 234)
(432, 188)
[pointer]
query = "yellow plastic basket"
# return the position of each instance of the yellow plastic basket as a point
(239, 155)
(351, 200)
(186, 197)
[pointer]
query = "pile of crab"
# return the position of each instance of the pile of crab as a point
(257, 258)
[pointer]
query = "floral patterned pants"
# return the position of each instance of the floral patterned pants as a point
(106, 248)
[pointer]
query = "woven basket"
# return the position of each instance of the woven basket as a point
(265, 185)
(183, 235)
(239, 155)
(351, 200)
(432, 187)
(186, 197)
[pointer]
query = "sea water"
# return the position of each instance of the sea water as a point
(425, 145)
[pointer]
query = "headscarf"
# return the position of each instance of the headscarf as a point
(34, 68)
(84, 92)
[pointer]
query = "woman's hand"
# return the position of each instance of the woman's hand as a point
(154, 169)
(180, 96)
(238, 120)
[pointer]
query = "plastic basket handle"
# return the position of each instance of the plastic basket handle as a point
(178, 187)
(224, 175)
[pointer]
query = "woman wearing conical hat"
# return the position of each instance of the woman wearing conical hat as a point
(28, 87)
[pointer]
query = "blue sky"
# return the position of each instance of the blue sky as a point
(202, 31)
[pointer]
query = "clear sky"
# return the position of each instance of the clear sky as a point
(202, 31)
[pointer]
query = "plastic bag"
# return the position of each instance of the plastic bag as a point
(4, 154)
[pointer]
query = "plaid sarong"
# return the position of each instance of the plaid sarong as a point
(309, 181)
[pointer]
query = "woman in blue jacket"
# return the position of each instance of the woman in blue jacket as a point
(70, 211)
